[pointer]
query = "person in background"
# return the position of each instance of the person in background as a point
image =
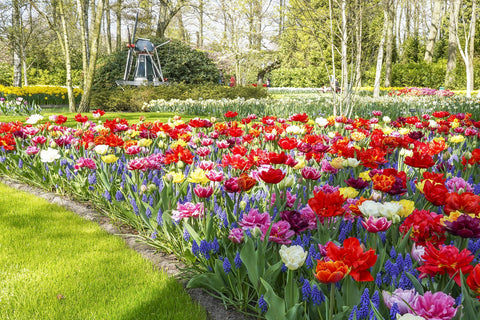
(221, 79)
(232, 81)
(268, 83)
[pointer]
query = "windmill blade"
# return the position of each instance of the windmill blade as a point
(128, 65)
(134, 28)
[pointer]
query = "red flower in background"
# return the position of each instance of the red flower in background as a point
(61, 119)
(327, 204)
(114, 141)
(79, 118)
(466, 202)
(231, 114)
(441, 114)
(288, 143)
(446, 260)
(420, 160)
(7, 142)
(372, 158)
(271, 175)
(390, 181)
(235, 132)
(245, 182)
(383, 182)
(98, 113)
(434, 177)
(300, 117)
(475, 158)
(435, 193)
(426, 227)
(473, 280)
(277, 158)
(352, 255)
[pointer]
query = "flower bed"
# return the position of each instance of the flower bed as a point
(18, 106)
(285, 218)
(420, 92)
(394, 106)
(40, 94)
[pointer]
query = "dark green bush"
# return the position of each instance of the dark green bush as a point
(179, 63)
(133, 98)
(422, 74)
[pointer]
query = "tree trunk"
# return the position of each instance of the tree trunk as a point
(333, 78)
(471, 49)
(378, 72)
(81, 11)
(452, 44)
(389, 45)
(64, 42)
(281, 16)
(68, 62)
(432, 34)
(24, 66)
(201, 14)
(358, 39)
(344, 47)
(108, 26)
(467, 53)
(95, 37)
(118, 14)
(16, 44)
(181, 27)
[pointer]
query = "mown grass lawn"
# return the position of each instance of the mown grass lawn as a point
(55, 265)
(131, 117)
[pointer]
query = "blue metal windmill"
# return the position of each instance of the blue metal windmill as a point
(148, 70)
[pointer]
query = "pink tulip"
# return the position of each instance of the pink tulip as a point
(375, 225)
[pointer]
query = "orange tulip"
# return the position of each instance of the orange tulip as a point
(330, 271)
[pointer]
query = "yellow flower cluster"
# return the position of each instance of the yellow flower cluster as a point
(31, 90)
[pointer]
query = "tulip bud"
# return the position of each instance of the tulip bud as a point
(446, 156)
(286, 182)
(180, 164)
(242, 205)
(256, 232)
(151, 187)
(143, 188)
(468, 155)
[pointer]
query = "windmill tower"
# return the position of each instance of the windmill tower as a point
(148, 70)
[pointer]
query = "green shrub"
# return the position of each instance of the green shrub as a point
(6, 74)
(299, 77)
(178, 61)
(133, 98)
(421, 74)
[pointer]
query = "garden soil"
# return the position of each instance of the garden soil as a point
(215, 308)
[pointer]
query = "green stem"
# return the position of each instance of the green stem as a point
(290, 287)
(332, 297)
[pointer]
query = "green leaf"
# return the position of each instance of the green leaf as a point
(295, 312)
(211, 281)
(250, 259)
(276, 305)
(470, 304)
(418, 286)
(403, 243)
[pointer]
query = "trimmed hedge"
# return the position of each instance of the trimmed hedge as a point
(299, 77)
(133, 98)
(412, 74)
